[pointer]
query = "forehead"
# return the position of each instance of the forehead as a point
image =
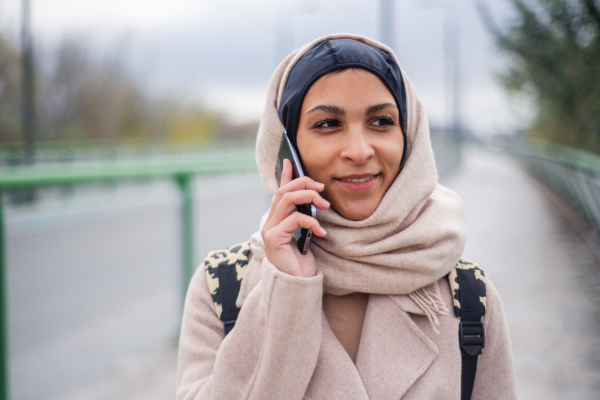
(348, 85)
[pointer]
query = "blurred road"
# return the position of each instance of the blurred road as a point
(548, 279)
(95, 283)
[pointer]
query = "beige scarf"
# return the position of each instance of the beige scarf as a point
(414, 237)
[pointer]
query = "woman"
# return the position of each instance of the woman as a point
(364, 314)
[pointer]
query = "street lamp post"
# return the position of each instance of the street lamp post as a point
(27, 82)
(387, 22)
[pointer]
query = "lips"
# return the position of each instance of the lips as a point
(359, 182)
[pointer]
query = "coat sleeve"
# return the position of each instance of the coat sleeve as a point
(495, 377)
(270, 354)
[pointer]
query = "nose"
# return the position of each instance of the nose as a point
(356, 146)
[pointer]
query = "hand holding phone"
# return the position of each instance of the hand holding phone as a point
(287, 151)
(285, 218)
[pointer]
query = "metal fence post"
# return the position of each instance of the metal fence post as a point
(4, 362)
(184, 182)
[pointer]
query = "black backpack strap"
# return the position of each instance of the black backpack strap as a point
(224, 273)
(467, 283)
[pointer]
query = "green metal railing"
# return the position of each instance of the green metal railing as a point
(4, 365)
(181, 171)
(571, 173)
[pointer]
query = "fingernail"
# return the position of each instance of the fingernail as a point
(326, 202)
(321, 185)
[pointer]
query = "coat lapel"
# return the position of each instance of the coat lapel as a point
(393, 351)
(335, 376)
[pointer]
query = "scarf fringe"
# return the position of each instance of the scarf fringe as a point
(431, 305)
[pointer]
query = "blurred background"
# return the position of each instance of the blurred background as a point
(126, 154)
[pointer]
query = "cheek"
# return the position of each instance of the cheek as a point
(315, 154)
(314, 162)
(391, 156)
(394, 150)
(395, 156)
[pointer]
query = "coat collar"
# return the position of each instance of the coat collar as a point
(393, 353)
(334, 365)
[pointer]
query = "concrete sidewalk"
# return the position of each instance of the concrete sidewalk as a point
(548, 280)
(547, 277)
(148, 374)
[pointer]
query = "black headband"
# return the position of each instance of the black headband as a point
(334, 55)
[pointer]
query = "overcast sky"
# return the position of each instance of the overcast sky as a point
(223, 52)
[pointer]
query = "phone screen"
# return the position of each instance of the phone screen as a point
(286, 151)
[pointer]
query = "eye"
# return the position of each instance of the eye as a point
(383, 122)
(327, 124)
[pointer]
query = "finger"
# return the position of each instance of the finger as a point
(307, 222)
(287, 174)
(290, 200)
(304, 183)
(287, 203)
(283, 233)
(289, 184)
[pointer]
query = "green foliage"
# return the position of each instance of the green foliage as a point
(190, 125)
(554, 48)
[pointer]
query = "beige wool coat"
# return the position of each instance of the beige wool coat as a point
(283, 348)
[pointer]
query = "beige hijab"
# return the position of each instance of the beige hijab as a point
(414, 237)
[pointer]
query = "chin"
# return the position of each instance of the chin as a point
(357, 213)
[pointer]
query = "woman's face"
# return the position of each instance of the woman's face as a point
(349, 138)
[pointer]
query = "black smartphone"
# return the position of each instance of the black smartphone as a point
(286, 151)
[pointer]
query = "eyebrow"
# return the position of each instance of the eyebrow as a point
(379, 107)
(329, 109)
(339, 111)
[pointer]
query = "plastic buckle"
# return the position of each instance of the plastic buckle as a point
(228, 326)
(472, 337)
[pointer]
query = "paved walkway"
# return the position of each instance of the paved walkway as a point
(548, 279)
